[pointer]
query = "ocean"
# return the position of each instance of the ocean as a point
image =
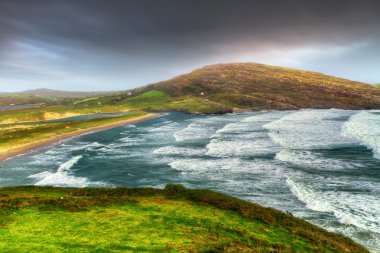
(320, 165)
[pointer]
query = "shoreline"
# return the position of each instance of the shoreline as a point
(27, 148)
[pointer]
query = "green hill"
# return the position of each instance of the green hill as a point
(249, 86)
(257, 86)
(175, 219)
(377, 85)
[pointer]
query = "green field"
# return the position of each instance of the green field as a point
(155, 100)
(13, 136)
(44, 219)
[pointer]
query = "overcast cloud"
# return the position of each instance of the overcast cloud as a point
(117, 45)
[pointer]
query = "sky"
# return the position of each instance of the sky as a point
(93, 45)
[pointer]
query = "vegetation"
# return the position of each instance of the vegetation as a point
(377, 85)
(14, 136)
(175, 219)
(155, 100)
(56, 112)
(258, 86)
(229, 87)
(240, 86)
(45, 96)
(20, 99)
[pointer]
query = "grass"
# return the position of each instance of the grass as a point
(20, 99)
(175, 219)
(18, 135)
(258, 86)
(56, 112)
(155, 100)
(223, 88)
(377, 85)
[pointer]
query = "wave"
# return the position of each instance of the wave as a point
(365, 127)
(192, 132)
(310, 159)
(251, 123)
(93, 146)
(203, 128)
(266, 116)
(178, 151)
(165, 127)
(224, 167)
(241, 148)
(245, 138)
(130, 141)
(310, 129)
(63, 176)
(360, 210)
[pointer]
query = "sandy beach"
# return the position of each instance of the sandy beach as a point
(24, 149)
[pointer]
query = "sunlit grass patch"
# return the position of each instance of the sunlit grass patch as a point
(175, 219)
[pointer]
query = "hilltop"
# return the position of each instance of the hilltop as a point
(248, 86)
(258, 86)
(173, 219)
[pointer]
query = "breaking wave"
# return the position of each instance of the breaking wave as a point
(349, 209)
(178, 151)
(310, 129)
(306, 158)
(63, 176)
(365, 127)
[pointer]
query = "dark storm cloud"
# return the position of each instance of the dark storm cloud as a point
(97, 44)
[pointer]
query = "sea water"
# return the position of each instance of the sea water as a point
(320, 165)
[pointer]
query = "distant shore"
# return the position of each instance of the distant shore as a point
(24, 149)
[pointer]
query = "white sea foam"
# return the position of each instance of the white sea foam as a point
(359, 209)
(210, 166)
(93, 146)
(202, 128)
(241, 148)
(165, 127)
(224, 167)
(313, 160)
(266, 117)
(244, 138)
(250, 123)
(178, 151)
(63, 176)
(365, 127)
(310, 129)
(131, 140)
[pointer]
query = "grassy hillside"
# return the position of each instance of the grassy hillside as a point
(257, 86)
(227, 87)
(377, 85)
(231, 87)
(175, 219)
(55, 112)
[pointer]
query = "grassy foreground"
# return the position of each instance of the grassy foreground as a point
(175, 219)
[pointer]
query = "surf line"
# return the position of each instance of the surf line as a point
(30, 147)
